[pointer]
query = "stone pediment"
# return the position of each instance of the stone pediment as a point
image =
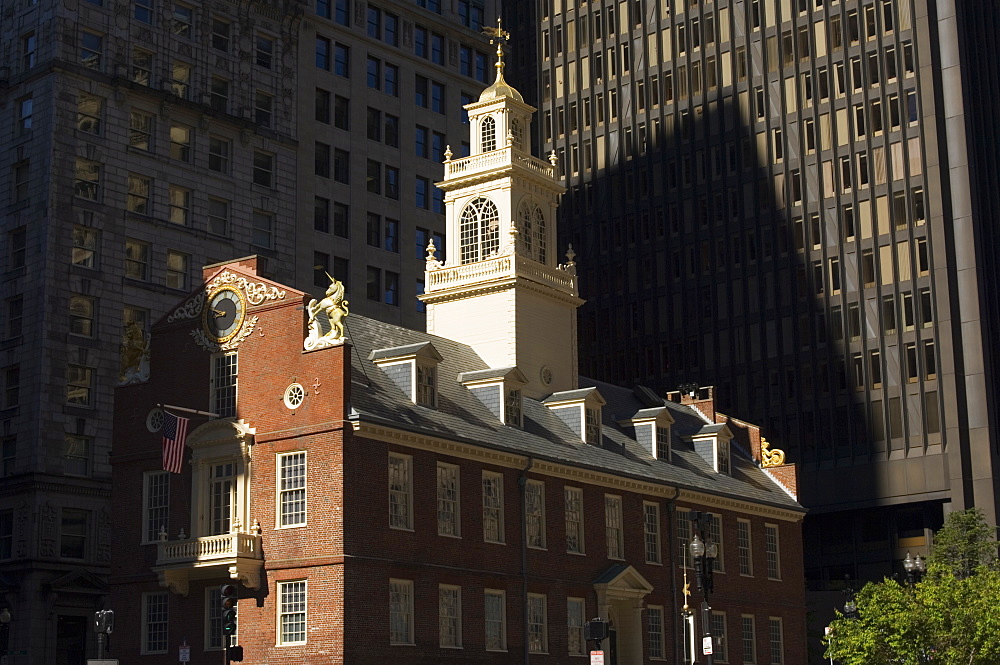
(225, 430)
(79, 581)
(622, 581)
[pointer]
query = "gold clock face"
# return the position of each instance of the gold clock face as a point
(224, 313)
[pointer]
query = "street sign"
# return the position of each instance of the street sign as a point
(184, 653)
(596, 658)
(706, 645)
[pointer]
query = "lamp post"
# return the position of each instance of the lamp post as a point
(850, 606)
(704, 552)
(915, 568)
(4, 634)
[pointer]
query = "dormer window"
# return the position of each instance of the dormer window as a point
(413, 368)
(711, 442)
(593, 433)
(651, 427)
(499, 390)
(480, 230)
(426, 385)
(488, 134)
(581, 411)
(663, 443)
(723, 457)
(512, 409)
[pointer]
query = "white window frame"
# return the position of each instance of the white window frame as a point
(292, 586)
(449, 500)
(660, 639)
(538, 623)
(153, 602)
(576, 612)
(577, 524)
(651, 532)
(777, 654)
(614, 526)
(147, 510)
(534, 513)
(715, 533)
(749, 656)
(401, 519)
(744, 531)
(682, 524)
(720, 642)
(232, 382)
(502, 619)
(454, 636)
(284, 490)
(401, 606)
(773, 554)
(493, 513)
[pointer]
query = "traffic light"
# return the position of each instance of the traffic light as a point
(228, 593)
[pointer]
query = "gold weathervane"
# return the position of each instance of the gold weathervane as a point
(496, 34)
(686, 591)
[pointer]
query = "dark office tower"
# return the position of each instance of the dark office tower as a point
(794, 200)
(142, 140)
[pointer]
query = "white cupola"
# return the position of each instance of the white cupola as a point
(501, 290)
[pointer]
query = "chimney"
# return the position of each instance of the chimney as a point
(701, 398)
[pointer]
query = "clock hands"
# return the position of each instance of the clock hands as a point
(218, 312)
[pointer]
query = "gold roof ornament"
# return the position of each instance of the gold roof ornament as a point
(770, 457)
(500, 88)
(326, 317)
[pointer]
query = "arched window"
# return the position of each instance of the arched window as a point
(488, 134)
(532, 231)
(480, 230)
(518, 131)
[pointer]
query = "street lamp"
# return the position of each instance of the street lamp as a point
(4, 631)
(915, 568)
(850, 606)
(704, 552)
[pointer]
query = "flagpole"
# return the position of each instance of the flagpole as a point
(186, 410)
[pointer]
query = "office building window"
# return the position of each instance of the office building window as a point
(79, 385)
(719, 637)
(262, 231)
(91, 50)
(575, 610)
(73, 533)
(743, 543)
(220, 34)
(218, 154)
(264, 51)
(749, 636)
(654, 619)
(263, 169)
(777, 640)
(224, 384)
(573, 497)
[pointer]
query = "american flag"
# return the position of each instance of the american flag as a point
(175, 431)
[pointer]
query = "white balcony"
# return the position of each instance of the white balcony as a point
(235, 555)
(497, 159)
(499, 269)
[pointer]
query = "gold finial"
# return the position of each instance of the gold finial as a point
(686, 591)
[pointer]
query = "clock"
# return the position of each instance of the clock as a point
(224, 313)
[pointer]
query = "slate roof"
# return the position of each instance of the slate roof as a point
(461, 416)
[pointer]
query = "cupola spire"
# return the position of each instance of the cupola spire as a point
(500, 289)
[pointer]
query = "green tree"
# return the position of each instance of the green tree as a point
(951, 617)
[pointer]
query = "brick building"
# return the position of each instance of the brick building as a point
(460, 495)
